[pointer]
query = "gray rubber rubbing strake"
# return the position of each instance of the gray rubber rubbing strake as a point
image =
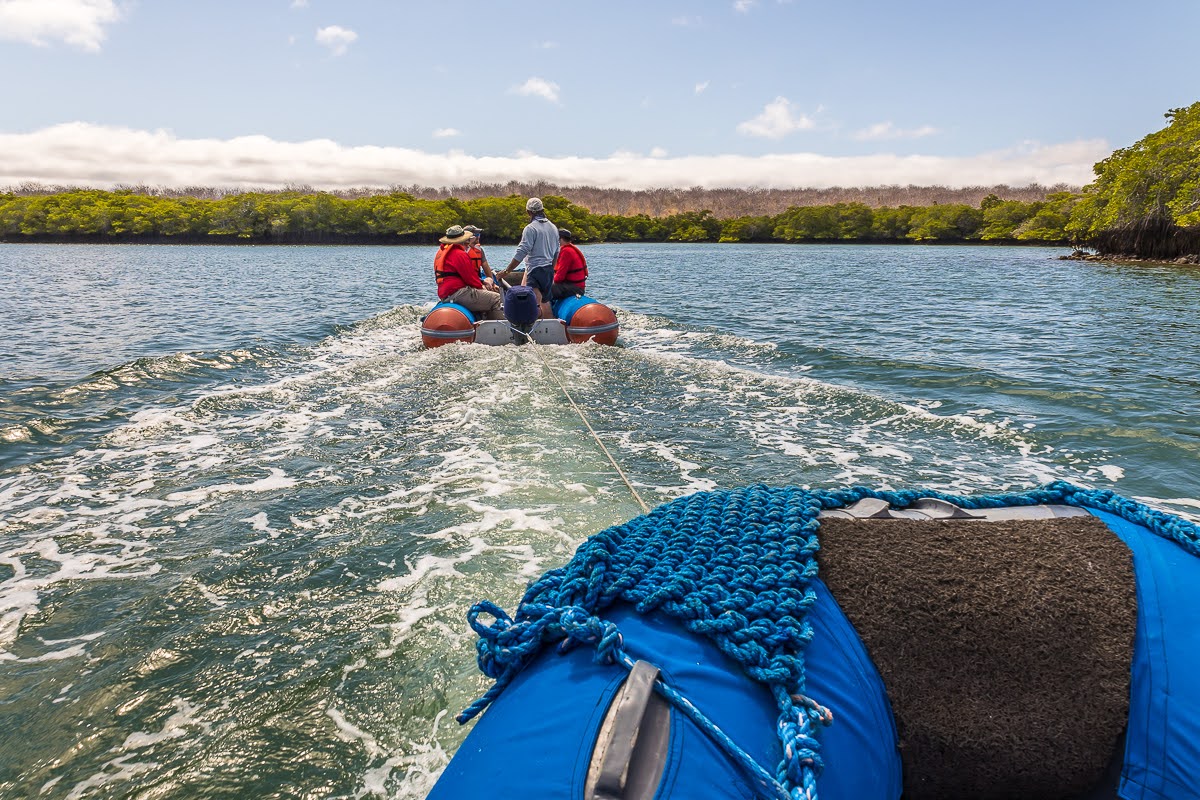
(630, 753)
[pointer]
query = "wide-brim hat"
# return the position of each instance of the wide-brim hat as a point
(455, 234)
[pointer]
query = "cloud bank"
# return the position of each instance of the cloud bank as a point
(79, 23)
(81, 154)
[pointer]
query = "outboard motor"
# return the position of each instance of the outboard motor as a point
(521, 309)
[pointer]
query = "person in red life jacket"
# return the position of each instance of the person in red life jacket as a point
(475, 251)
(458, 278)
(570, 270)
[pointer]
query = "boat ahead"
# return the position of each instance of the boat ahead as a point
(852, 643)
(576, 319)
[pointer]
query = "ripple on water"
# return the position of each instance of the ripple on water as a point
(246, 566)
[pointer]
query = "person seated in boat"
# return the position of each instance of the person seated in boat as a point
(570, 270)
(538, 249)
(479, 259)
(458, 278)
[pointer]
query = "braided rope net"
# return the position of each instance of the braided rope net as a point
(737, 567)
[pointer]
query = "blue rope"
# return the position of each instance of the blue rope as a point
(737, 567)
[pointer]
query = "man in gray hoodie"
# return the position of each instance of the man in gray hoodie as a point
(539, 249)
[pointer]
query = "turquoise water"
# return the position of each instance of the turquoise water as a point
(242, 512)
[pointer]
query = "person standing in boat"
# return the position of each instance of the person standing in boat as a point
(570, 270)
(476, 254)
(458, 277)
(538, 249)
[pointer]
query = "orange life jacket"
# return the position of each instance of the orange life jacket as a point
(476, 255)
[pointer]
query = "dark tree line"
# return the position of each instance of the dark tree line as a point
(315, 218)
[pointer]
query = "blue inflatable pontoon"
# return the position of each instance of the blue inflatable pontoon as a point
(695, 652)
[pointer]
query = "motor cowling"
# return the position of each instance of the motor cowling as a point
(521, 307)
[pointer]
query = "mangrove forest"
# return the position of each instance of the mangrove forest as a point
(1144, 203)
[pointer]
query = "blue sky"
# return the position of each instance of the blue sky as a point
(342, 93)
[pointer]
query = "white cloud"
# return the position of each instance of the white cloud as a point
(744, 6)
(548, 45)
(700, 87)
(445, 133)
(299, 3)
(886, 130)
(684, 22)
(77, 22)
(538, 87)
(93, 155)
(336, 38)
(658, 152)
(776, 121)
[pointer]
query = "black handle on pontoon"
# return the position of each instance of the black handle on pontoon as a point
(631, 750)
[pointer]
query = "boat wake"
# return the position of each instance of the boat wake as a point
(243, 525)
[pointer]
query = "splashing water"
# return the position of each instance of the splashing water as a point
(236, 553)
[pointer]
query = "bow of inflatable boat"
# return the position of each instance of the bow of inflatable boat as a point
(1029, 645)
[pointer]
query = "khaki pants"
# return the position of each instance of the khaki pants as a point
(480, 301)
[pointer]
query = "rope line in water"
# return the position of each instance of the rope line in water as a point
(592, 431)
(737, 567)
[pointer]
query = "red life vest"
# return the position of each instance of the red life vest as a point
(571, 266)
(448, 277)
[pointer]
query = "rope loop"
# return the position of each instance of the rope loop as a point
(491, 632)
(578, 627)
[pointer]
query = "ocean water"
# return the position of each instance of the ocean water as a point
(243, 512)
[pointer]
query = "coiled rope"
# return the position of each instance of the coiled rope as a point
(737, 567)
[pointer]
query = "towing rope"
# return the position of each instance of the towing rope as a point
(592, 431)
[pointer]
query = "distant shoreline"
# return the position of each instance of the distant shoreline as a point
(94, 216)
(101, 239)
(293, 218)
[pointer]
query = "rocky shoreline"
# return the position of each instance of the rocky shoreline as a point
(1080, 255)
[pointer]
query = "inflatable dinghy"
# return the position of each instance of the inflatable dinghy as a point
(577, 319)
(850, 644)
